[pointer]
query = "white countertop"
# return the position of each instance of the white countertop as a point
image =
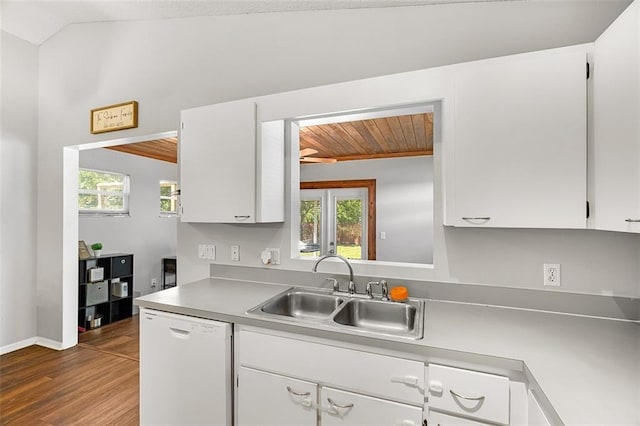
(588, 368)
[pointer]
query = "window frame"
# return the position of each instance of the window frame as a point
(125, 194)
(173, 197)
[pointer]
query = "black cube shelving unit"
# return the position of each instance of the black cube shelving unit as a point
(117, 266)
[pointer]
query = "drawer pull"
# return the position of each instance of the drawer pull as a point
(336, 405)
(468, 398)
(632, 220)
(242, 217)
(476, 218)
(300, 394)
(406, 380)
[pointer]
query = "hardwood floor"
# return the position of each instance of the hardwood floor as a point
(94, 383)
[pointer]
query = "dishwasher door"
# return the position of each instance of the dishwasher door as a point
(185, 370)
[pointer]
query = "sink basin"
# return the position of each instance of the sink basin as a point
(303, 305)
(343, 312)
(383, 317)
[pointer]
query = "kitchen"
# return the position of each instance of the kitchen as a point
(593, 262)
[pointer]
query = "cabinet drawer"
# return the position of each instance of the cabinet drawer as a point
(347, 408)
(378, 375)
(121, 266)
(476, 395)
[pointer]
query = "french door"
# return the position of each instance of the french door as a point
(334, 221)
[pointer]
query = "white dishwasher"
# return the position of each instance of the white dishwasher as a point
(185, 370)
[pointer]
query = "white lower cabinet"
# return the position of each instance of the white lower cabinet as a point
(465, 394)
(269, 399)
(289, 381)
(347, 408)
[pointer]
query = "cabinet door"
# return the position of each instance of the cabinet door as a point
(616, 112)
(347, 408)
(265, 399)
(520, 141)
(217, 163)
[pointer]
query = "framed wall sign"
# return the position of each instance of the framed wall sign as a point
(114, 117)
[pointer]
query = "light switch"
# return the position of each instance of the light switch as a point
(207, 251)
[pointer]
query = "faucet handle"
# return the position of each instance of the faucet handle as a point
(334, 283)
(370, 285)
(385, 289)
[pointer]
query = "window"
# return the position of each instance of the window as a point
(168, 198)
(104, 193)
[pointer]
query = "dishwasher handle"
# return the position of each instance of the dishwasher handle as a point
(179, 333)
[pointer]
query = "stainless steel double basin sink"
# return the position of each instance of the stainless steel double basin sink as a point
(344, 312)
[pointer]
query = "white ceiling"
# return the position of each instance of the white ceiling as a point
(37, 20)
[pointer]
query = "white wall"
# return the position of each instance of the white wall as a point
(176, 64)
(144, 233)
(404, 202)
(18, 195)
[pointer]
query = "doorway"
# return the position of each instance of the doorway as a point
(89, 227)
(338, 217)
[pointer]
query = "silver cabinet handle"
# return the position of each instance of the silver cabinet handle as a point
(632, 220)
(476, 218)
(469, 398)
(301, 394)
(336, 405)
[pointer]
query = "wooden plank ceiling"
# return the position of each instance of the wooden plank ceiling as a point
(159, 149)
(401, 136)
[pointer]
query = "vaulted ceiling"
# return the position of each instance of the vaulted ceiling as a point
(37, 21)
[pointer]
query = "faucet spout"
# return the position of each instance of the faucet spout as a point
(352, 286)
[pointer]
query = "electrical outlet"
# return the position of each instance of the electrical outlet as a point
(154, 282)
(552, 274)
(274, 254)
(235, 253)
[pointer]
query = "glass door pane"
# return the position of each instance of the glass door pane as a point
(310, 227)
(350, 227)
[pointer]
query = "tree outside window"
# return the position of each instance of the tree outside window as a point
(168, 198)
(102, 192)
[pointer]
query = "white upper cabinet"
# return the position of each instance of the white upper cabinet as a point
(615, 178)
(231, 165)
(520, 142)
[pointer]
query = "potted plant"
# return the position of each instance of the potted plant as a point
(97, 249)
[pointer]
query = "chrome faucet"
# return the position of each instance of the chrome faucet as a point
(352, 285)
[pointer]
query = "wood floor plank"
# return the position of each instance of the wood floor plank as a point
(93, 383)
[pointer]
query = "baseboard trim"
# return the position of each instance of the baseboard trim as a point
(40, 341)
(48, 343)
(18, 345)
